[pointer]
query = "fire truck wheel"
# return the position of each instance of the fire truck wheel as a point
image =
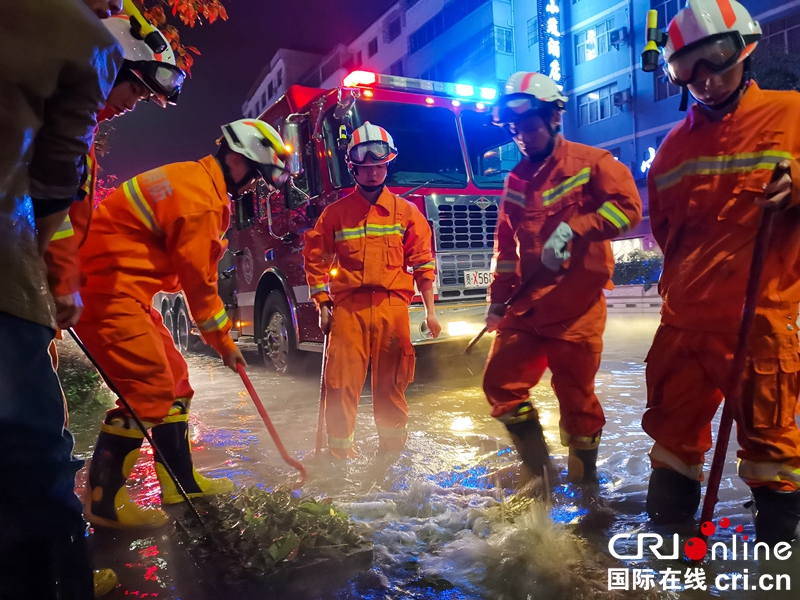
(166, 316)
(184, 340)
(277, 341)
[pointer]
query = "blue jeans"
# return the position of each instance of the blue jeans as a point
(41, 518)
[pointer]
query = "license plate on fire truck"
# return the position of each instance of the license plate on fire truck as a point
(477, 279)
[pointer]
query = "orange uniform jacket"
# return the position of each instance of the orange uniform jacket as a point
(63, 265)
(597, 197)
(702, 186)
(375, 248)
(162, 230)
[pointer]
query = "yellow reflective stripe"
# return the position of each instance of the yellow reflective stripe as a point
(750, 470)
(505, 266)
(335, 442)
(348, 234)
(87, 185)
(64, 231)
(580, 442)
(316, 289)
(371, 230)
(218, 321)
(665, 457)
(515, 197)
(744, 162)
(564, 188)
(381, 230)
(615, 216)
(431, 264)
(140, 206)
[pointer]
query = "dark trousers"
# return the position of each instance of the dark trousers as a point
(43, 550)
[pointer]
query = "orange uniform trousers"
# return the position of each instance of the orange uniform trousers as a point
(131, 344)
(687, 372)
(368, 325)
(516, 363)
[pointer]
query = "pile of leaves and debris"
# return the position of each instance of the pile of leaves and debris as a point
(256, 533)
(82, 386)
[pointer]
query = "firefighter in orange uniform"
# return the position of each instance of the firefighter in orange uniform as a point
(381, 245)
(561, 206)
(705, 186)
(162, 230)
(145, 75)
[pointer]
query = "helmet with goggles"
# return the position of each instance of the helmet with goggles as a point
(710, 34)
(158, 71)
(262, 145)
(525, 95)
(370, 145)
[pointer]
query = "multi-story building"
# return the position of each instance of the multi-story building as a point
(284, 69)
(591, 47)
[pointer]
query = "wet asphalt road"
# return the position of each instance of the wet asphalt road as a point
(433, 506)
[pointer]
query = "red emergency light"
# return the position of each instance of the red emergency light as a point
(360, 78)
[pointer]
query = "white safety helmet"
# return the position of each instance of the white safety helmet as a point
(155, 69)
(370, 145)
(526, 94)
(716, 34)
(262, 145)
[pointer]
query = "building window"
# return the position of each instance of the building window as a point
(358, 60)
(396, 68)
(263, 102)
(270, 90)
(663, 87)
(280, 77)
(597, 105)
(372, 47)
(504, 40)
(392, 30)
(667, 9)
(593, 42)
(533, 32)
(452, 13)
(782, 35)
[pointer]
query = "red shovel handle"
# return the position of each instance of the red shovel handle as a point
(265, 417)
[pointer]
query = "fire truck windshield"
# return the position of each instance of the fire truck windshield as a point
(492, 154)
(427, 140)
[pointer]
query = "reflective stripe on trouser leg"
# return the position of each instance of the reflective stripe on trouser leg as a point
(779, 476)
(346, 371)
(580, 442)
(661, 457)
(515, 364)
(392, 369)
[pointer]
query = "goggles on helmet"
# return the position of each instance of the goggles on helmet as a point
(376, 150)
(516, 107)
(163, 79)
(717, 54)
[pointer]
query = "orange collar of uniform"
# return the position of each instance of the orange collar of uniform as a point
(527, 169)
(698, 116)
(210, 164)
(385, 200)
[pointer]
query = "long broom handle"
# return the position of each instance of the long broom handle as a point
(321, 418)
(733, 393)
(139, 424)
(272, 431)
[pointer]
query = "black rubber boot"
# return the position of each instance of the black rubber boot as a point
(777, 515)
(109, 504)
(172, 440)
(582, 465)
(671, 497)
(528, 438)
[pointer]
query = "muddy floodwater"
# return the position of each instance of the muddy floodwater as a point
(439, 515)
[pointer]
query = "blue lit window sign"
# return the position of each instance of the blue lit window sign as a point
(550, 48)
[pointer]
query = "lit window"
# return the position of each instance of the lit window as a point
(597, 105)
(593, 42)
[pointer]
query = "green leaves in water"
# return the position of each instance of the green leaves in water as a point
(263, 532)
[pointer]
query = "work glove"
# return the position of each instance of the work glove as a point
(494, 314)
(325, 317)
(554, 251)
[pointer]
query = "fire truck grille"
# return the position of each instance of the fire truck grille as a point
(465, 227)
(451, 267)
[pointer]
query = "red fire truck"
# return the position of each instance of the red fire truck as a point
(451, 164)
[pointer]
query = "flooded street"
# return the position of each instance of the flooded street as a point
(436, 516)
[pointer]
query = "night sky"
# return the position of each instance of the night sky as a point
(233, 54)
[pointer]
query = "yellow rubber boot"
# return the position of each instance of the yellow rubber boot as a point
(105, 580)
(109, 504)
(172, 440)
